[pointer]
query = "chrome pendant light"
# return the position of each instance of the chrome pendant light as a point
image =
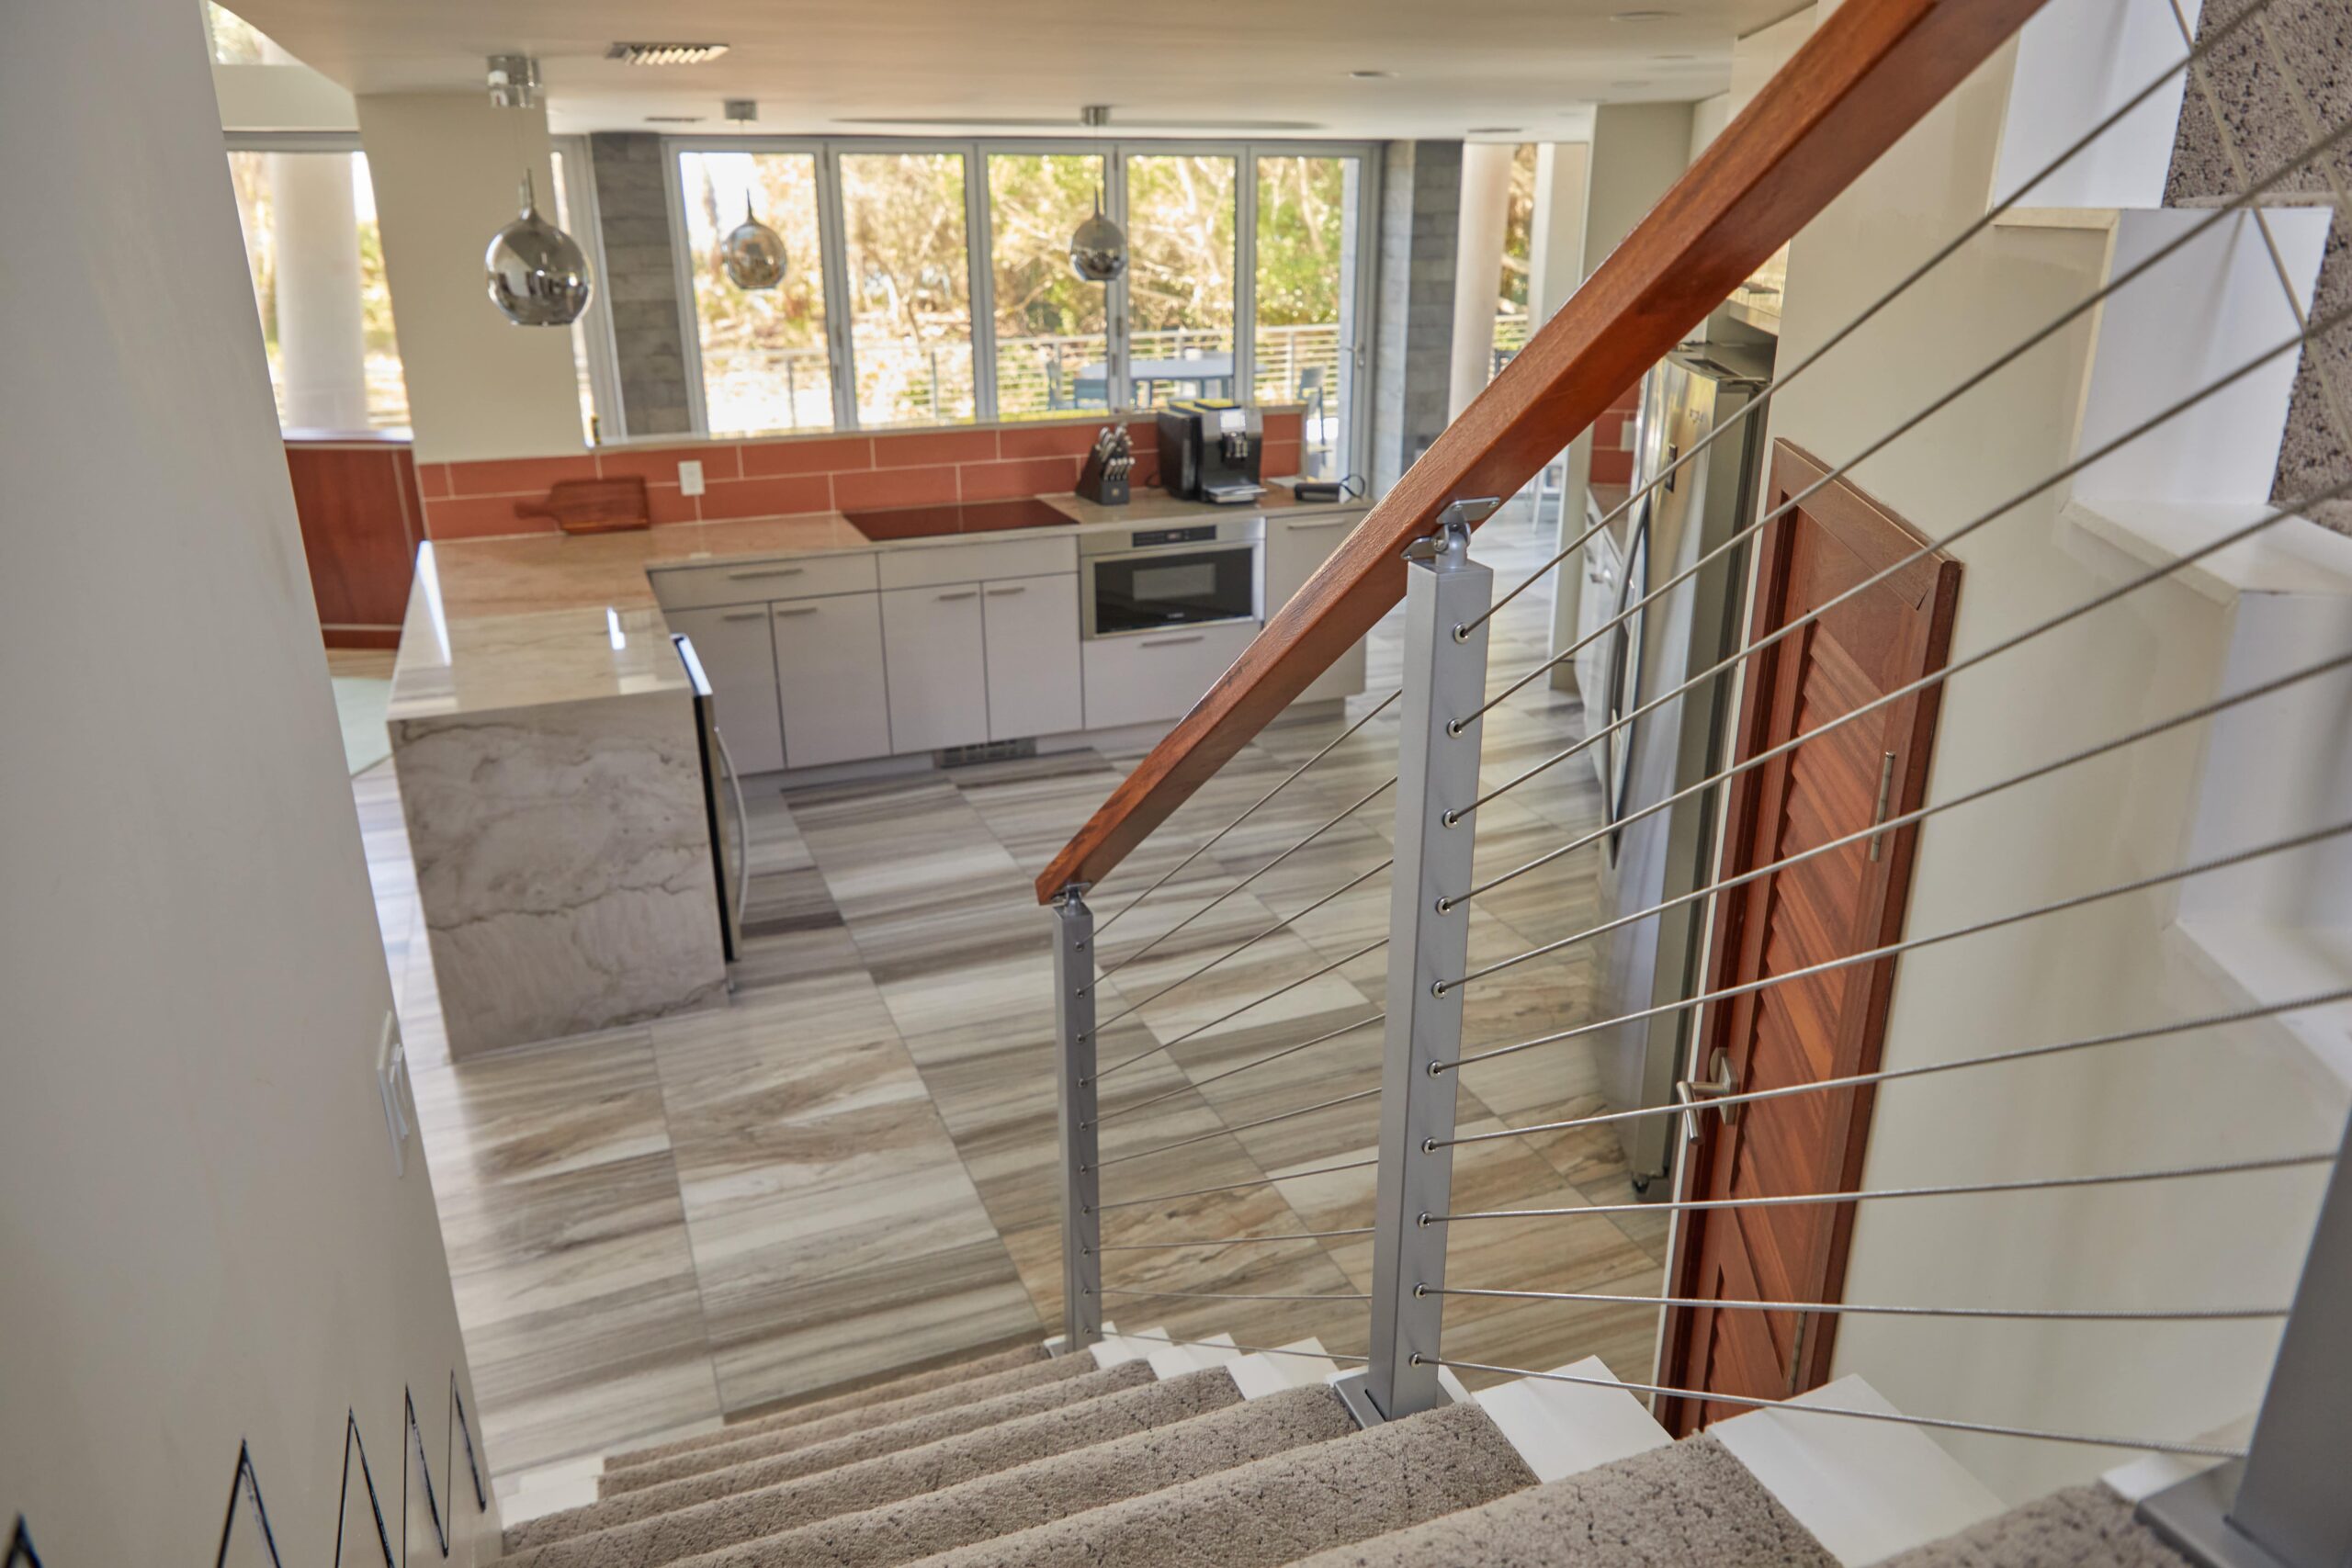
(1098, 251)
(752, 253)
(536, 273)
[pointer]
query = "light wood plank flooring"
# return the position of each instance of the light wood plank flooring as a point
(852, 1165)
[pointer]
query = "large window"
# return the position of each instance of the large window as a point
(1511, 322)
(945, 266)
(1053, 347)
(909, 287)
(318, 268)
(765, 362)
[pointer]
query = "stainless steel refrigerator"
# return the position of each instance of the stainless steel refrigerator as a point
(1693, 626)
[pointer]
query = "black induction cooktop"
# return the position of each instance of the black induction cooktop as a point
(956, 517)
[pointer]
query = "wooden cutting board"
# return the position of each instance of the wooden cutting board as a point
(593, 506)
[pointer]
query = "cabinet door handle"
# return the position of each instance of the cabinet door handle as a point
(1326, 523)
(795, 609)
(744, 615)
(1173, 641)
(764, 571)
(959, 594)
(1001, 593)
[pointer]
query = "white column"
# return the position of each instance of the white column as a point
(320, 338)
(1556, 241)
(1478, 266)
(448, 167)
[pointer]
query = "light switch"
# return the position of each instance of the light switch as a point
(690, 479)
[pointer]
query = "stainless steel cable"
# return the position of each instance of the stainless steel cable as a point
(1205, 844)
(2307, 333)
(1988, 1428)
(1904, 819)
(1894, 1074)
(1282, 925)
(1957, 1189)
(2199, 49)
(1228, 1295)
(1198, 1084)
(1245, 1350)
(1944, 400)
(1260, 1001)
(1850, 1309)
(1241, 1127)
(2235, 536)
(1232, 1240)
(1238, 1186)
(1367, 799)
(1889, 950)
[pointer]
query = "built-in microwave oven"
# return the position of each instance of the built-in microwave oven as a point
(1147, 580)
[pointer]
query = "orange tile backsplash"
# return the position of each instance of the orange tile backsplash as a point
(778, 476)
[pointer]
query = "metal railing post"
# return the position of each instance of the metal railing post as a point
(1082, 1177)
(2286, 1504)
(1437, 776)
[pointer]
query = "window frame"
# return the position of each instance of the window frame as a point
(588, 229)
(979, 261)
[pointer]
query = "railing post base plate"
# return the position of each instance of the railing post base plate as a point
(2192, 1517)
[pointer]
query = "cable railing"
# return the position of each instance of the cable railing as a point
(1416, 547)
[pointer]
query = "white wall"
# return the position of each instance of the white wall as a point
(201, 1238)
(1478, 266)
(2251, 1089)
(447, 170)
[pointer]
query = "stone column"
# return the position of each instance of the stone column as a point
(649, 332)
(1420, 196)
(320, 337)
(1477, 267)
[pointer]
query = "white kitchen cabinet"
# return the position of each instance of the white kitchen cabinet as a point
(829, 679)
(739, 657)
(1148, 677)
(1295, 547)
(756, 581)
(1034, 684)
(935, 652)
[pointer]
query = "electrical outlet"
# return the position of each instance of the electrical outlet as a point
(690, 479)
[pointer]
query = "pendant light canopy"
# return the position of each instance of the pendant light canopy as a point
(1098, 251)
(537, 276)
(752, 253)
(535, 272)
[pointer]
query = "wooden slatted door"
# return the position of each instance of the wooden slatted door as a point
(1846, 901)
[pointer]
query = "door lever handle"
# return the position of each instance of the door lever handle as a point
(1721, 1080)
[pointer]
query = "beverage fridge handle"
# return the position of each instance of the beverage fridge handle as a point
(742, 829)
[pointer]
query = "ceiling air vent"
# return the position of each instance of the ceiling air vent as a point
(666, 53)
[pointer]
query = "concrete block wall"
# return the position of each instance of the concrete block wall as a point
(641, 283)
(1420, 216)
(2253, 121)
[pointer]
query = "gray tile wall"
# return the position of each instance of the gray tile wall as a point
(641, 283)
(1421, 215)
(2256, 120)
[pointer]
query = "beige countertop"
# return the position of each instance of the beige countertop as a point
(496, 625)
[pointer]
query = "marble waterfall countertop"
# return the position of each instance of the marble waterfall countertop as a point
(534, 619)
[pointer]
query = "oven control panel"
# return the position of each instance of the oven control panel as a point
(1146, 539)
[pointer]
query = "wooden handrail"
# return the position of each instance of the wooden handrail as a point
(1871, 71)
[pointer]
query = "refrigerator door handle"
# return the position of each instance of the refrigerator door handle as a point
(742, 831)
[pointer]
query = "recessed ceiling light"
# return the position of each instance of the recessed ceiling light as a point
(666, 53)
(1643, 16)
(1371, 75)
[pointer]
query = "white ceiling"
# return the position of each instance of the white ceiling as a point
(1517, 69)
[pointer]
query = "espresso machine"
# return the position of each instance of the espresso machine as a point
(1210, 450)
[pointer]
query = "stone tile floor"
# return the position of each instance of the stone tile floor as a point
(852, 1165)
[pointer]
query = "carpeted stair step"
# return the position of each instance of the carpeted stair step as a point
(1275, 1510)
(1030, 1364)
(645, 1502)
(1049, 1489)
(736, 1447)
(2083, 1526)
(1692, 1501)
(720, 1521)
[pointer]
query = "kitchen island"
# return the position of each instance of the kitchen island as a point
(543, 729)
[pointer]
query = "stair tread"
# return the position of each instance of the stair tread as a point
(1692, 1501)
(738, 1449)
(1270, 1511)
(1031, 1359)
(647, 1502)
(989, 1507)
(2082, 1527)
